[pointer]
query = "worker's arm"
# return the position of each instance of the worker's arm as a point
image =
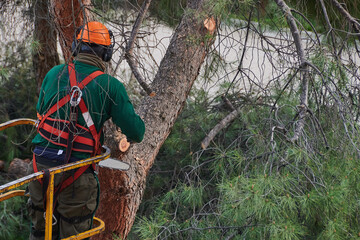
(123, 114)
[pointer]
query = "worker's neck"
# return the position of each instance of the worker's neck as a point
(90, 59)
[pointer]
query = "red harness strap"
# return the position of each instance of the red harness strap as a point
(85, 111)
(66, 99)
(43, 127)
(35, 167)
(57, 132)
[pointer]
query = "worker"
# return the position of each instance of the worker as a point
(74, 102)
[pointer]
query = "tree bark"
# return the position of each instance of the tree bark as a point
(121, 192)
(69, 15)
(46, 55)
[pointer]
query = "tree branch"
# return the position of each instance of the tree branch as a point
(243, 52)
(222, 124)
(329, 25)
(230, 117)
(228, 103)
(304, 68)
(347, 15)
(130, 46)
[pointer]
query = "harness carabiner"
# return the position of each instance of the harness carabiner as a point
(75, 96)
(54, 218)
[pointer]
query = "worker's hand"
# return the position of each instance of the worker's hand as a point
(124, 145)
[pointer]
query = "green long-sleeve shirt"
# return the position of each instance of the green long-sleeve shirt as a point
(105, 97)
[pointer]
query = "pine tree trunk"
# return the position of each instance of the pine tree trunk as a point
(121, 192)
(46, 55)
(69, 15)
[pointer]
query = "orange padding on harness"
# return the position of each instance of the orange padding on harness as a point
(39, 116)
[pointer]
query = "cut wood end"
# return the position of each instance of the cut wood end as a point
(203, 146)
(210, 24)
(152, 94)
(124, 145)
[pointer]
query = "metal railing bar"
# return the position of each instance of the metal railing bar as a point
(29, 178)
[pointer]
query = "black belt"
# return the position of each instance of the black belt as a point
(54, 163)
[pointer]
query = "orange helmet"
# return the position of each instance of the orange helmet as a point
(95, 32)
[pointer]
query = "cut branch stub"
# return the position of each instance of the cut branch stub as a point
(210, 24)
(124, 145)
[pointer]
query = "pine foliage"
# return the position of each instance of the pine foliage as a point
(246, 190)
(252, 182)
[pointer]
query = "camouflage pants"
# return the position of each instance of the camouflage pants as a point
(74, 209)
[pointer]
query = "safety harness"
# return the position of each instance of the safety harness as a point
(58, 131)
(68, 133)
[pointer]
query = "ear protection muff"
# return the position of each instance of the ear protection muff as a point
(107, 54)
(104, 52)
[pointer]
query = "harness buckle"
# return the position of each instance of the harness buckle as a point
(75, 96)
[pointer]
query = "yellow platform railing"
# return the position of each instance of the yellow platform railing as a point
(99, 224)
